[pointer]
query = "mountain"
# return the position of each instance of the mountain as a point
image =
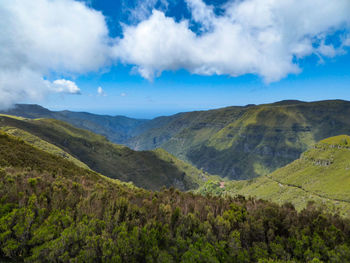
(116, 128)
(245, 142)
(148, 169)
(233, 142)
(321, 174)
(52, 210)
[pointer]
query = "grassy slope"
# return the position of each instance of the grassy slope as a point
(41, 144)
(322, 174)
(144, 169)
(245, 142)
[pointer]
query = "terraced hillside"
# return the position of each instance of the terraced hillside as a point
(321, 174)
(147, 169)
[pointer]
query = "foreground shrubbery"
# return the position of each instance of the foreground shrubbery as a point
(68, 214)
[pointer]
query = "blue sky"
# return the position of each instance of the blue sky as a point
(144, 71)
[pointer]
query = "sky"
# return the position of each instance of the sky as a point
(146, 58)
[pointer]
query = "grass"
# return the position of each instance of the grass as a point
(322, 174)
(145, 169)
(42, 145)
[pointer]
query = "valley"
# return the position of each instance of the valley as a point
(233, 142)
(65, 189)
(148, 169)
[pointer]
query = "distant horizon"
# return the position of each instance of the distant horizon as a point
(154, 113)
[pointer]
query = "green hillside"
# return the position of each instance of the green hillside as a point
(52, 210)
(145, 169)
(233, 142)
(321, 174)
(245, 142)
(117, 129)
(41, 144)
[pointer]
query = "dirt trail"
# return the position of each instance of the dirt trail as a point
(309, 192)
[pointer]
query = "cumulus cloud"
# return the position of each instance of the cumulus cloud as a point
(65, 86)
(143, 9)
(100, 91)
(263, 37)
(45, 38)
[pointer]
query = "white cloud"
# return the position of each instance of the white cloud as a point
(50, 39)
(144, 9)
(261, 37)
(123, 94)
(45, 38)
(100, 91)
(65, 86)
(201, 13)
(21, 84)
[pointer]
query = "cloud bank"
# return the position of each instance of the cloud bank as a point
(60, 39)
(263, 37)
(44, 38)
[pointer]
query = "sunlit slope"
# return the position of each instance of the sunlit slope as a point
(322, 174)
(41, 144)
(245, 142)
(144, 169)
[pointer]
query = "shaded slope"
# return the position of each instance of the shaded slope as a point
(322, 174)
(144, 169)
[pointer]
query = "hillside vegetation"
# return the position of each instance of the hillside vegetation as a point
(41, 144)
(117, 129)
(233, 142)
(245, 142)
(321, 174)
(146, 169)
(52, 210)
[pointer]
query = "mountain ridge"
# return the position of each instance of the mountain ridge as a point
(147, 169)
(238, 142)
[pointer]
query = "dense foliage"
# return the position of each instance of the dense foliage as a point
(54, 211)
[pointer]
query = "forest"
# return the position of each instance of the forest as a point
(52, 210)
